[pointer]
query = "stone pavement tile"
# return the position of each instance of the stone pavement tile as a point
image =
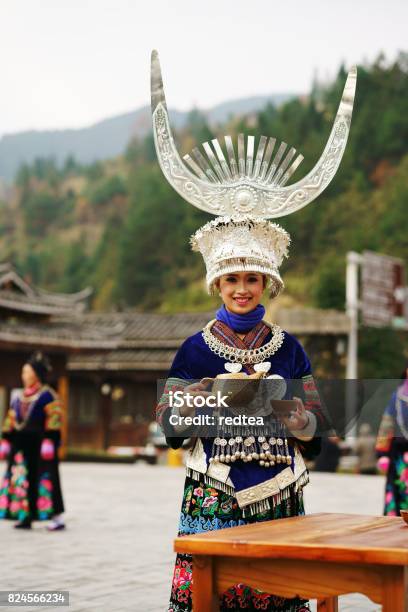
(353, 602)
(108, 604)
(35, 609)
(349, 493)
(121, 522)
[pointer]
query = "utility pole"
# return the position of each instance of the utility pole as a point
(352, 307)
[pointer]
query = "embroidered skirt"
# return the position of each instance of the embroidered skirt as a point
(205, 508)
(30, 487)
(396, 488)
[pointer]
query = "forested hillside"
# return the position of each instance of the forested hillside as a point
(119, 227)
(109, 137)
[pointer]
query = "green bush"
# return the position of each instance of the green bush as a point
(104, 191)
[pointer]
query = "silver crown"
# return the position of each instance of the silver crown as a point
(223, 184)
(260, 169)
(242, 243)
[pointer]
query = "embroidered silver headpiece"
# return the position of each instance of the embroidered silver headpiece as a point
(242, 243)
(251, 183)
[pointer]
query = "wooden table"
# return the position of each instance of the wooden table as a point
(317, 556)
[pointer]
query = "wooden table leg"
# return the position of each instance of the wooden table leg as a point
(395, 589)
(204, 598)
(329, 604)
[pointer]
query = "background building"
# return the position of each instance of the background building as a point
(106, 365)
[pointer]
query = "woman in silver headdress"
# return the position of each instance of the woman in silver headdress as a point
(237, 475)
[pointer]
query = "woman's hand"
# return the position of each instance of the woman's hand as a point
(383, 464)
(194, 390)
(47, 449)
(298, 419)
(5, 447)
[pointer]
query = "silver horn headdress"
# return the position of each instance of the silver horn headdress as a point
(251, 184)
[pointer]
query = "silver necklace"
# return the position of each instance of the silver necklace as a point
(32, 402)
(233, 354)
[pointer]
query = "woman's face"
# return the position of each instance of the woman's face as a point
(241, 292)
(28, 376)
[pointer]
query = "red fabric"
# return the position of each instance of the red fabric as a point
(29, 391)
(253, 339)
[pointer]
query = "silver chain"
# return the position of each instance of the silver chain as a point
(243, 356)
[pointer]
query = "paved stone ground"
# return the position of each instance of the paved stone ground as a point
(116, 554)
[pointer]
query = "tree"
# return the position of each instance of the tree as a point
(197, 126)
(329, 290)
(106, 189)
(381, 352)
(40, 210)
(76, 268)
(154, 250)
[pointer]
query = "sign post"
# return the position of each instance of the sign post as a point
(384, 303)
(383, 291)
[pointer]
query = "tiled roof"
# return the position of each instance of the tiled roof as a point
(131, 331)
(121, 360)
(53, 334)
(18, 295)
(106, 331)
(149, 341)
(144, 329)
(312, 321)
(38, 304)
(119, 340)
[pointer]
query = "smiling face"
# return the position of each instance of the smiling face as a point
(241, 292)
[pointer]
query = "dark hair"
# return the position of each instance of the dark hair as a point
(404, 372)
(40, 364)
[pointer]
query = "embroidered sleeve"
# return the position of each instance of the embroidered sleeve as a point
(309, 440)
(53, 415)
(175, 435)
(303, 371)
(386, 430)
(313, 403)
(9, 421)
(178, 378)
(173, 385)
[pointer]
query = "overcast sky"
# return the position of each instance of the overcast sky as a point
(70, 63)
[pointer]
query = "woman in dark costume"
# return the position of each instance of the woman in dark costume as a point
(241, 477)
(31, 435)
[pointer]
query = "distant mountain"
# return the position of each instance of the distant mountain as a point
(107, 138)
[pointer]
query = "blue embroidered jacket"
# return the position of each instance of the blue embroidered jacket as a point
(195, 360)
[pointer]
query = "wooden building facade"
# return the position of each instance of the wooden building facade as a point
(106, 366)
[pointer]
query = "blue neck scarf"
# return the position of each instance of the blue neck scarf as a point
(241, 323)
